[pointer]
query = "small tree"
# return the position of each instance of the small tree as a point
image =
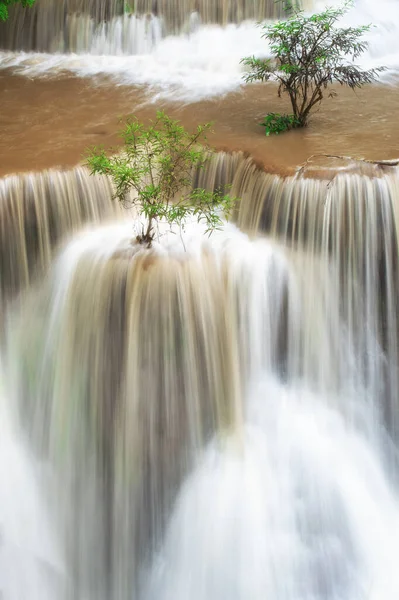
(154, 173)
(4, 4)
(308, 54)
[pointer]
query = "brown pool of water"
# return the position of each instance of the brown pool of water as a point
(51, 122)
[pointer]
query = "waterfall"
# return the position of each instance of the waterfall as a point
(114, 27)
(179, 50)
(215, 417)
(38, 211)
(212, 417)
(72, 26)
(347, 214)
(81, 33)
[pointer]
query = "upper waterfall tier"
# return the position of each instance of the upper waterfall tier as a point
(78, 25)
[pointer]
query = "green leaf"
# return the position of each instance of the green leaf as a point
(4, 4)
(154, 173)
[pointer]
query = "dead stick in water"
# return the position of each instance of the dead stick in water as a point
(385, 163)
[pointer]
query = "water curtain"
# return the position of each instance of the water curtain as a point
(214, 418)
(128, 28)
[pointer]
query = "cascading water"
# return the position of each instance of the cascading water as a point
(38, 211)
(180, 48)
(350, 218)
(212, 418)
(218, 419)
(77, 26)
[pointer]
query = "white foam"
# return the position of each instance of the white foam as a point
(300, 509)
(29, 557)
(186, 67)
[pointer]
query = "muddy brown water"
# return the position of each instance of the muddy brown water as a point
(51, 122)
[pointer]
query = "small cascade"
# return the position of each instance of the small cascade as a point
(179, 50)
(176, 12)
(122, 35)
(346, 214)
(126, 34)
(37, 212)
(80, 33)
(73, 25)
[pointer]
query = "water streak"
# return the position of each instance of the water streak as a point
(348, 215)
(52, 25)
(37, 212)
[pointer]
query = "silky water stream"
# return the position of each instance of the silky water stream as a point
(210, 420)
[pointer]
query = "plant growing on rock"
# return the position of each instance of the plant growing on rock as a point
(4, 5)
(308, 54)
(154, 173)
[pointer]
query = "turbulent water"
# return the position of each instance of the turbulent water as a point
(215, 417)
(194, 58)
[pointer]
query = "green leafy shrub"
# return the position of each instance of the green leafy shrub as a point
(154, 173)
(309, 53)
(4, 4)
(274, 123)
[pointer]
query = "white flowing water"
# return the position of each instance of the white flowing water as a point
(302, 511)
(201, 62)
(204, 428)
(31, 563)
